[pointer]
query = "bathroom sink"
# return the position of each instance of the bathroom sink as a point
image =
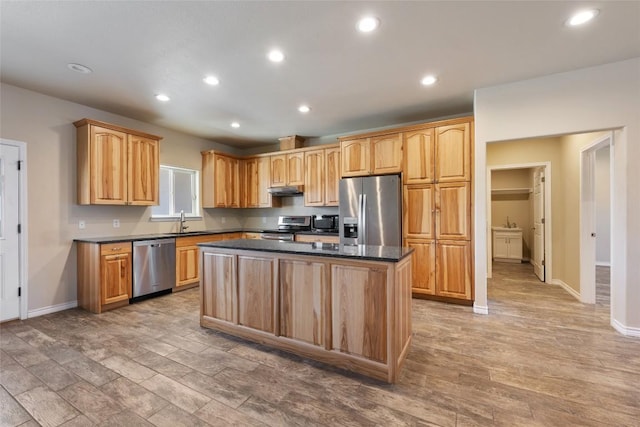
(506, 228)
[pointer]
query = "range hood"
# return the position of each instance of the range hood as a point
(289, 190)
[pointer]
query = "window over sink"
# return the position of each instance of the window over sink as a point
(179, 191)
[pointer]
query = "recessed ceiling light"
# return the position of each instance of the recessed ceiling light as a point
(79, 68)
(235, 125)
(368, 24)
(304, 108)
(428, 80)
(582, 17)
(275, 56)
(162, 97)
(211, 80)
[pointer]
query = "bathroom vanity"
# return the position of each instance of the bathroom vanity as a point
(507, 244)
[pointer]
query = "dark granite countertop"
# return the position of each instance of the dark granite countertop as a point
(156, 236)
(362, 252)
(318, 233)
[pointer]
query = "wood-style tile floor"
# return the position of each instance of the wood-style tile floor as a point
(540, 358)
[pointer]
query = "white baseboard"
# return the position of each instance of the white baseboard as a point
(625, 330)
(480, 309)
(566, 287)
(603, 264)
(52, 309)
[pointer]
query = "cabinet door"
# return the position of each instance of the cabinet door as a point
(332, 176)
(423, 266)
(187, 265)
(220, 181)
(208, 179)
(264, 179)
(355, 157)
(256, 293)
(453, 153)
(453, 269)
(359, 312)
(295, 168)
(108, 171)
(418, 211)
(387, 154)
(453, 211)
(143, 186)
(303, 305)
(500, 246)
(314, 178)
(251, 183)
(218, 287)
(279, 170)
(418, 156)
(233, 183)
(116, 278)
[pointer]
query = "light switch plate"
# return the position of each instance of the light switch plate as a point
(116, 223)
(81, 225)
(264, 219)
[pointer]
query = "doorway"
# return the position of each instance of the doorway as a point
(536, 190)
(595, 210)
(13, 299)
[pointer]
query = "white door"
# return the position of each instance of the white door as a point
(9, 235)
(538, 223)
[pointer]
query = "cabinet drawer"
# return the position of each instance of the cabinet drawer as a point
(115, 248)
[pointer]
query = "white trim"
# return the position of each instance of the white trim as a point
(52, 309)
(547, 213)
(603, 264)
(566, 287)
(23, 238)
(480, 309)
(625, 330)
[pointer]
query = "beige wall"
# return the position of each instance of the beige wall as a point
(592, 99)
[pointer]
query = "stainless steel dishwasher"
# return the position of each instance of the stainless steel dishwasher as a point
(154, 267)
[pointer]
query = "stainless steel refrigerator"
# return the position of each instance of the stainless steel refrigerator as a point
(371, 211)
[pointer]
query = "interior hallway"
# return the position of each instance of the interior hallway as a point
(540, 358)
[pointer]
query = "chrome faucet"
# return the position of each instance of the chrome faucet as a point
(508, 223)
(182, 221)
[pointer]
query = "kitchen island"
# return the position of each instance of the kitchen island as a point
(348, 306)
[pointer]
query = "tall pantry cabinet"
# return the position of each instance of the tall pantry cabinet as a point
(437, 221)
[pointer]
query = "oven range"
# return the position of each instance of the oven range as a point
(287, 227)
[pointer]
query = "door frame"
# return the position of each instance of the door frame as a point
(22, 218)
(547, 214)
(588, 215)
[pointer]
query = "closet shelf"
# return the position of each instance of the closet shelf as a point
(498, 191)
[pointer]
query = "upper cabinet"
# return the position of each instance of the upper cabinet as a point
(287, 169)
(322, 177)
(438, 154)
(220, 180)
(116, 166)
(377, 155)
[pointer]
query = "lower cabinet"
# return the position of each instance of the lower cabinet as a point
(355, 315)
(311, 238)
(441, 268)
(507, 246)
(104, 275)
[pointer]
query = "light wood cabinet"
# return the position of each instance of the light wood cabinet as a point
(359, 322)
(287, 169)
(322, 177)
(249, 235)
(256, 292)
(419, 211)
(376, 155)
(220, 180)
(453, 211)
(423, 266)
(218, 297)
(453, 153)
(251, 184)
(115, 165)
(453, 269)
(419, 149)
(104, 275)
(303, 305)
(355, 157)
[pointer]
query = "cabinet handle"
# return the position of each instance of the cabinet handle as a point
(116, 249)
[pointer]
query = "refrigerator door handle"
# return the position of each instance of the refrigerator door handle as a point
(363, 209)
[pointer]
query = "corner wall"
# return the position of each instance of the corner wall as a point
(586, 100)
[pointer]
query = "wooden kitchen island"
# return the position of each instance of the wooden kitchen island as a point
(348, 306)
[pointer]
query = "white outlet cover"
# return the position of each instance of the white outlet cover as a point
(116, 223)
(81, 225)
(223, 219)
(264, 219)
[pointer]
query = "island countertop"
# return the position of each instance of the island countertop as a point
(362, 252)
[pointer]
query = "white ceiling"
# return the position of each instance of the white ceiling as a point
(352, 81)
